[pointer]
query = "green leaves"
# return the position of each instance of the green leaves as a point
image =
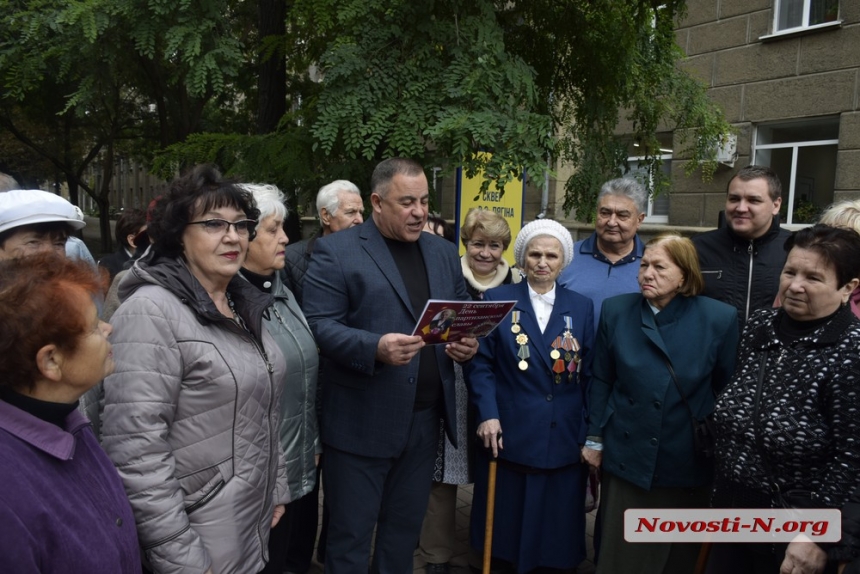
(599, 63)
(441, 80)
(429, 80)
(91, 22)
(527, 81)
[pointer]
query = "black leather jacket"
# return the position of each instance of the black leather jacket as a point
(741, 272)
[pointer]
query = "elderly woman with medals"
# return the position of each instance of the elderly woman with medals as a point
(529, 380)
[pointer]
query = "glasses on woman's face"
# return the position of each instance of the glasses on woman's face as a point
(221, 226)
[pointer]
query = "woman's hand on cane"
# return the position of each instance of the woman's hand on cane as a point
(490, 433)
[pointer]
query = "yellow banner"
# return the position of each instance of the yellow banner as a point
(510, 205)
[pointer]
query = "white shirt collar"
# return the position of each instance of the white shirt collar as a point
(548, 297)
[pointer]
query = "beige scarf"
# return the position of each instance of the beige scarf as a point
(483, 282)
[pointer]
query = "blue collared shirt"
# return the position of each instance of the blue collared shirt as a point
(594, 276)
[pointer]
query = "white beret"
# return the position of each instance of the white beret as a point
(540, 227)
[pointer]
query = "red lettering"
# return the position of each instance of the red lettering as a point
(762, 524)
(649, 527)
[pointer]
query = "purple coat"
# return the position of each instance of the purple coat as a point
(63, 508)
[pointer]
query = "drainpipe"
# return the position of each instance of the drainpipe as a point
(436, 196)
(544, 198)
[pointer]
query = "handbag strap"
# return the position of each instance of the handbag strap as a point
(678, 386)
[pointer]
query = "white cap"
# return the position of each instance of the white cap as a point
(540, 227)
(21, 207)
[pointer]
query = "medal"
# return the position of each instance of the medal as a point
(555, 354)
(515, 322)
(522, 340)
(571, 346)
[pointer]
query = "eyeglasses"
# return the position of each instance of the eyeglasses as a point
(481, 245)
(221, 226)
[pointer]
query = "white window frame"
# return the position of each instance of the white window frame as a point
(795, 148)
(649, 215)
(804, 25)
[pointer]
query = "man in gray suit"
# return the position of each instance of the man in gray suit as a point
(383, 389)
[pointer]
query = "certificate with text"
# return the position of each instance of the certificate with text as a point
(449, 321)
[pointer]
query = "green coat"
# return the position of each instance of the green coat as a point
(634, 405)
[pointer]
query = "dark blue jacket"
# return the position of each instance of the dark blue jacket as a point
(543, 422)
(353, 295)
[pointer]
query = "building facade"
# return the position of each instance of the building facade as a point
(787, 75)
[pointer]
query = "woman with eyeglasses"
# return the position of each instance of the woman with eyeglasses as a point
(192, 412)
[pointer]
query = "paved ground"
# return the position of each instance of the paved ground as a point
(461, 551)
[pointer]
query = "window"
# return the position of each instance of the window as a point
(803, 155)
(658, 207)
(792, 15)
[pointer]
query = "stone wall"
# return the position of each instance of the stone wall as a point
(757, 77)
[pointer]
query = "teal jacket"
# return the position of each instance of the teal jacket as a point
(634, 405)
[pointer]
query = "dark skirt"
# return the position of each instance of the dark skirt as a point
(617, 555)
(539, 514)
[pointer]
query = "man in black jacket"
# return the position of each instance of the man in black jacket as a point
(741, 261)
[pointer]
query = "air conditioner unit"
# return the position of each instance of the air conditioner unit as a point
(727, 153)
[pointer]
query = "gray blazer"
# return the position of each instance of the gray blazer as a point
(353, 295)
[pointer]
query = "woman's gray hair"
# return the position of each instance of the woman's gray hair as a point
(843, 214)
(328, 195)
(629, 188)
(269, 199)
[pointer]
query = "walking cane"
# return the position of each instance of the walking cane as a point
(704, 554)
(491, 507)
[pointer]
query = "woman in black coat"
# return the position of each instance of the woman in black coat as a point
(787, 422)
(128, 227)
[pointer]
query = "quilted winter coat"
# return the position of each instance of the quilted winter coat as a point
(300, 435)
(191, 420)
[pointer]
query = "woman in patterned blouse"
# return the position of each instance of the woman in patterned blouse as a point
(787, 423)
